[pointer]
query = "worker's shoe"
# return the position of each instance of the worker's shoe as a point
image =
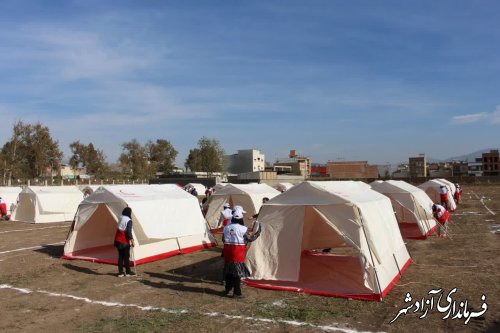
(131, 273)
(121, 275)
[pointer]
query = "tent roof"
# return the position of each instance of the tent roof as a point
(52, 190)
(162, 210)
(250, 189)
(326, 193)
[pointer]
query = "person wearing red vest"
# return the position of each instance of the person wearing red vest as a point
(442, 216)
(3, 209)
(123, 241)
(235, 238)
(443, 195)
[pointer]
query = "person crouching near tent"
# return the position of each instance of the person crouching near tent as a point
(443, 196)
(458, 193)
(124, 241)
(236, 236)
(442, 216)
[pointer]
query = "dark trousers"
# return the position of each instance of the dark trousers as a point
(123, 258)
(233, 281)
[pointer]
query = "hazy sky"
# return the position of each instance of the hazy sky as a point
(354, 80)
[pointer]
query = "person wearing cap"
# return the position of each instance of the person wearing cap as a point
(238, 209)
(235, 238)
(226, 215)
(443, 196)
(442, 216)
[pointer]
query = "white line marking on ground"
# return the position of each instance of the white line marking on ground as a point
(31, 248)
(482, 201)
(20, 230)
(489, 210)
(182, 311)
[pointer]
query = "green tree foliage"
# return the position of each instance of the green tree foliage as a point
(208, 157)
(88, 157)
(161, 155)
(141, 162)
(193, 161)
(30, 153)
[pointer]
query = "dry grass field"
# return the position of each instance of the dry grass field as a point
(40, 292)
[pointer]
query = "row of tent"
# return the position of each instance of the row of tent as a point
(357, 222)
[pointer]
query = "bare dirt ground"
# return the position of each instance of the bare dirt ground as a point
(40, 292)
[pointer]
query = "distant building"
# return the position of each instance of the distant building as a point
(318, 170)
(351, 170)
(460, 168)
(439, 170)
(491, 163)
(418, 166)
(300, 165)
(246, 160)
(475, 168)
(66, 172)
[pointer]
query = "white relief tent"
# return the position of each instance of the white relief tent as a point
(367, 255)
(249, 196)
(10, 195)
(47, 204)
(412, 206)
(431, 187)
(166, 221)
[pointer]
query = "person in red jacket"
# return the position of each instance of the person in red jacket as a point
(235, 237)
(443, 196)
(123, 241)
(442, 216)
(3, 210)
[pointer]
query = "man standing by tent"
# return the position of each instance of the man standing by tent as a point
(442, 216)
(235, 238)
(123, 241)
(443, 195)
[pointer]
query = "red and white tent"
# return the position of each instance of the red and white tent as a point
(412, 206)
(431, 187)
(249, 196)
(367, 255)
(166, 221)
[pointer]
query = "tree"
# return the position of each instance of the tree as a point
(88, 157)
(133, 160)
(208, 157)
(193, 161)
(31, 152)
(161, 155)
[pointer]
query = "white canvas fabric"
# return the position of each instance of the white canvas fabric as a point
(282, 187)
(46, 204)
(412, 206)
(166, 221)
(357, 223)
(249, 196)
(10, 195)
(431, 187)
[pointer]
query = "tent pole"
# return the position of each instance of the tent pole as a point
(397, 265)
(371, 255)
